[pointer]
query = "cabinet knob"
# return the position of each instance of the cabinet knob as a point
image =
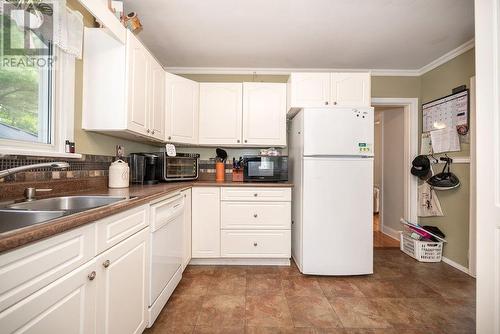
(169, 137)
(326, 103)
(246, 141)
(255, 195)
(91, 276)
(255, 244)
(335, 103)
(106, 264)
(255, 215)
(238, 141)
(153, 132)
(148, 131)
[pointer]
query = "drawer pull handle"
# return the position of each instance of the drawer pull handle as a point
(91, 276)
(255, 244)
(175, 206)
(255, 195)
(255, 215)
(106, 264)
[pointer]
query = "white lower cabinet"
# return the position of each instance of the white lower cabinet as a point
(66, 305)
(59, 285)
(206, 222)
(122, 286)
(263, 244)
(186, 253)
(241, 222)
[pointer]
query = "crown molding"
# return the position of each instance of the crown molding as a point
(447, 57)
(286, 71)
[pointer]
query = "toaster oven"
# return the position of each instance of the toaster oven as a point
(182, 167)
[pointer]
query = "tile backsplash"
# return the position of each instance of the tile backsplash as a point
(84, 167)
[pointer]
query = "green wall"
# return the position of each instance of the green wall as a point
(89, 142)
(454, 203)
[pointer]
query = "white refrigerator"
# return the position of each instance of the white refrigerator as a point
(331, 164)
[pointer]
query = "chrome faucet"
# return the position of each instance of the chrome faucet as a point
(55, 165)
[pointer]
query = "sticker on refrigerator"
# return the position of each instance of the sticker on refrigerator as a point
(364, 148)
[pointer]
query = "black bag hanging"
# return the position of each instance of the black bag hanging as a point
(445, 180)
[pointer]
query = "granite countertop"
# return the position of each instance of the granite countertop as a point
(139, 195)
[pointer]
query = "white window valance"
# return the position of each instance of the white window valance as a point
(68, 29)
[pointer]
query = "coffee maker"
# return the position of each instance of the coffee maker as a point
(143, 168)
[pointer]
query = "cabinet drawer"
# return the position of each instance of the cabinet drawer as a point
(28, 269)
(111, 230)
(255, 244)
(256, 194)
(256, 215)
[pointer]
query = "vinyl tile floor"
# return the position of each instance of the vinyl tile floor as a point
(402, 296)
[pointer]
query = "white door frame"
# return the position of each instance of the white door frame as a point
(487, 42)
(410, 106)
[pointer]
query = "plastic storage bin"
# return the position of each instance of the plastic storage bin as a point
(423, 251)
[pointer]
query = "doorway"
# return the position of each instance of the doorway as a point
(395, 146)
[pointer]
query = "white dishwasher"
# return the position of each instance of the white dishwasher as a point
(167, 218)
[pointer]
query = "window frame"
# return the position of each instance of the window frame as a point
(61, 116)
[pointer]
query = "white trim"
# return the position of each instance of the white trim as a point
(37, 153)
(447, 57)
(391, 233)
(287, 70)
(456, 265)
(472, 178)
(411, 150)
(240, 262)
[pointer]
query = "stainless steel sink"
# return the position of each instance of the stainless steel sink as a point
(17, 215)
(67, 203)
(14, 219)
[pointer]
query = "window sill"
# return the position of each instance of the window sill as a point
(38, 153)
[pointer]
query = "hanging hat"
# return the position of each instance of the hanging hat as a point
(421, 166)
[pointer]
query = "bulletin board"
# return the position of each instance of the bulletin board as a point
(451, 111)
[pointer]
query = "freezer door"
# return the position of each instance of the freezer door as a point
(338, 131)
(337, 216)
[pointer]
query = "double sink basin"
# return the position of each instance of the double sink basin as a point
(17, 215)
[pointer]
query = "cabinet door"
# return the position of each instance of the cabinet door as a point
(67, 305)
(182, 106)
(186, 254)
(157, 101)
(137, 85)
(206, 222)
(123, 283)
(351, 89)
(220, 113)
(309, 90)
(264, 114)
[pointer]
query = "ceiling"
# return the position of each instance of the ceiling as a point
(354, 34)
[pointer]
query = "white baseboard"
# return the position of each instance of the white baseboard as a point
(456, 265)
(390, 232)
(240, 262)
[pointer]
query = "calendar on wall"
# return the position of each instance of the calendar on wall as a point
(451, 111)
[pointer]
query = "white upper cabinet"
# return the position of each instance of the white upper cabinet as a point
(123, 87)
(137, 69)
(220, 113)
(264, 114)
(350, 89)
(309, 90)
(157, 101)
(182, 104)
(313, 90)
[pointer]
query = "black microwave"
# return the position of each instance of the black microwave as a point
(265, 168)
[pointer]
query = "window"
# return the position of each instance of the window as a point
(26, 94)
